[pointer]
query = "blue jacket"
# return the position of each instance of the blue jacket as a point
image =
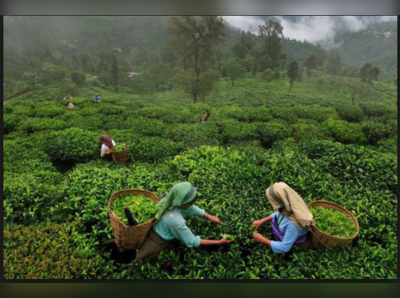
(291, 233)
(173, 226)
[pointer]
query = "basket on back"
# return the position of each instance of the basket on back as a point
(321, 239)
(120, 156)
(130, 237)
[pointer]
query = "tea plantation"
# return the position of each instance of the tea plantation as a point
(56, 187)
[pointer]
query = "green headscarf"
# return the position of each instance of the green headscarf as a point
(179, 194)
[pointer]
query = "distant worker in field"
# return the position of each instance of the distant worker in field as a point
(96, 98)
(69, 96)
(171, 224)
(107, 144)
(71, 106)
(205, 117)
(290, 220)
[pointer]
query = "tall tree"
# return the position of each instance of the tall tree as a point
(369, 73)
(311, 64)
(114, 71)
(293, 73)
(374, 73)
(271, 33)
(243, 45)
(364, 70)
(234, 69)
(334, 64)
(146, 85)
(195, 40)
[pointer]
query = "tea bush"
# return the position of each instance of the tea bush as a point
(169, 114)
(153, 149)
(31, 197)
(51, 251)
(268, 133)
(194, 135)
(375, 109)
(350, 113)
(388, 145)
(49, 111)
(292, 114)
(10, 123)
(307, 132)
(74, 145)
(144, 126)
(376, 131)
(345, 132)
(56, 187)
(232, 131)
(31, 125)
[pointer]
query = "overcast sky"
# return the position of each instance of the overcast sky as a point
(315, 29)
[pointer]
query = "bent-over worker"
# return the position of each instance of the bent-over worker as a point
(205, 117)
(290, 220)
(107, 144)
(171, 224)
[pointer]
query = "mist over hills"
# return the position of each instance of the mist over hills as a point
(358, 39)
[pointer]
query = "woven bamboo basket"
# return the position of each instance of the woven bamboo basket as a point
(321, 239)
(130, 237)
(120, 156)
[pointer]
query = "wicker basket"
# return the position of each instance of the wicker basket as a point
(130, 237)
(320, 239)
(120, 156)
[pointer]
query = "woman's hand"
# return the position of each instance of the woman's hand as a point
(225, 241)
(260, 238)
(213, 219)
(257, 224)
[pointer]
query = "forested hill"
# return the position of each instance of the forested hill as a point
(88, 44)
(377, 45)
(82, 42)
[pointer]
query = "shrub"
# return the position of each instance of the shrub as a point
(388, 145)
(168, 114)
(91, 123)
(73, 145)
(7, 109)
(144, 126)
(261, 114)
(250, 149)
(306, 132)
(111, 109)
(350, 113)
(345, 132)
(10, 123)
(193, 135)
(375, 109)
(78, 78)
(153, 149)
(232, 131)
(89, 111)
(376, 131)
(50, 111)
(27, 111)
(31, 197)
(269, 133)
(31, 125)
(51, 251)
(292, 114)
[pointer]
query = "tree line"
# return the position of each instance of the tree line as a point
(193, 56)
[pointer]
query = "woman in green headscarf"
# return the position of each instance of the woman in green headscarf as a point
(171, 224)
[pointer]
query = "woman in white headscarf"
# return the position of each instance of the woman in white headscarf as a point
(290, 220)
